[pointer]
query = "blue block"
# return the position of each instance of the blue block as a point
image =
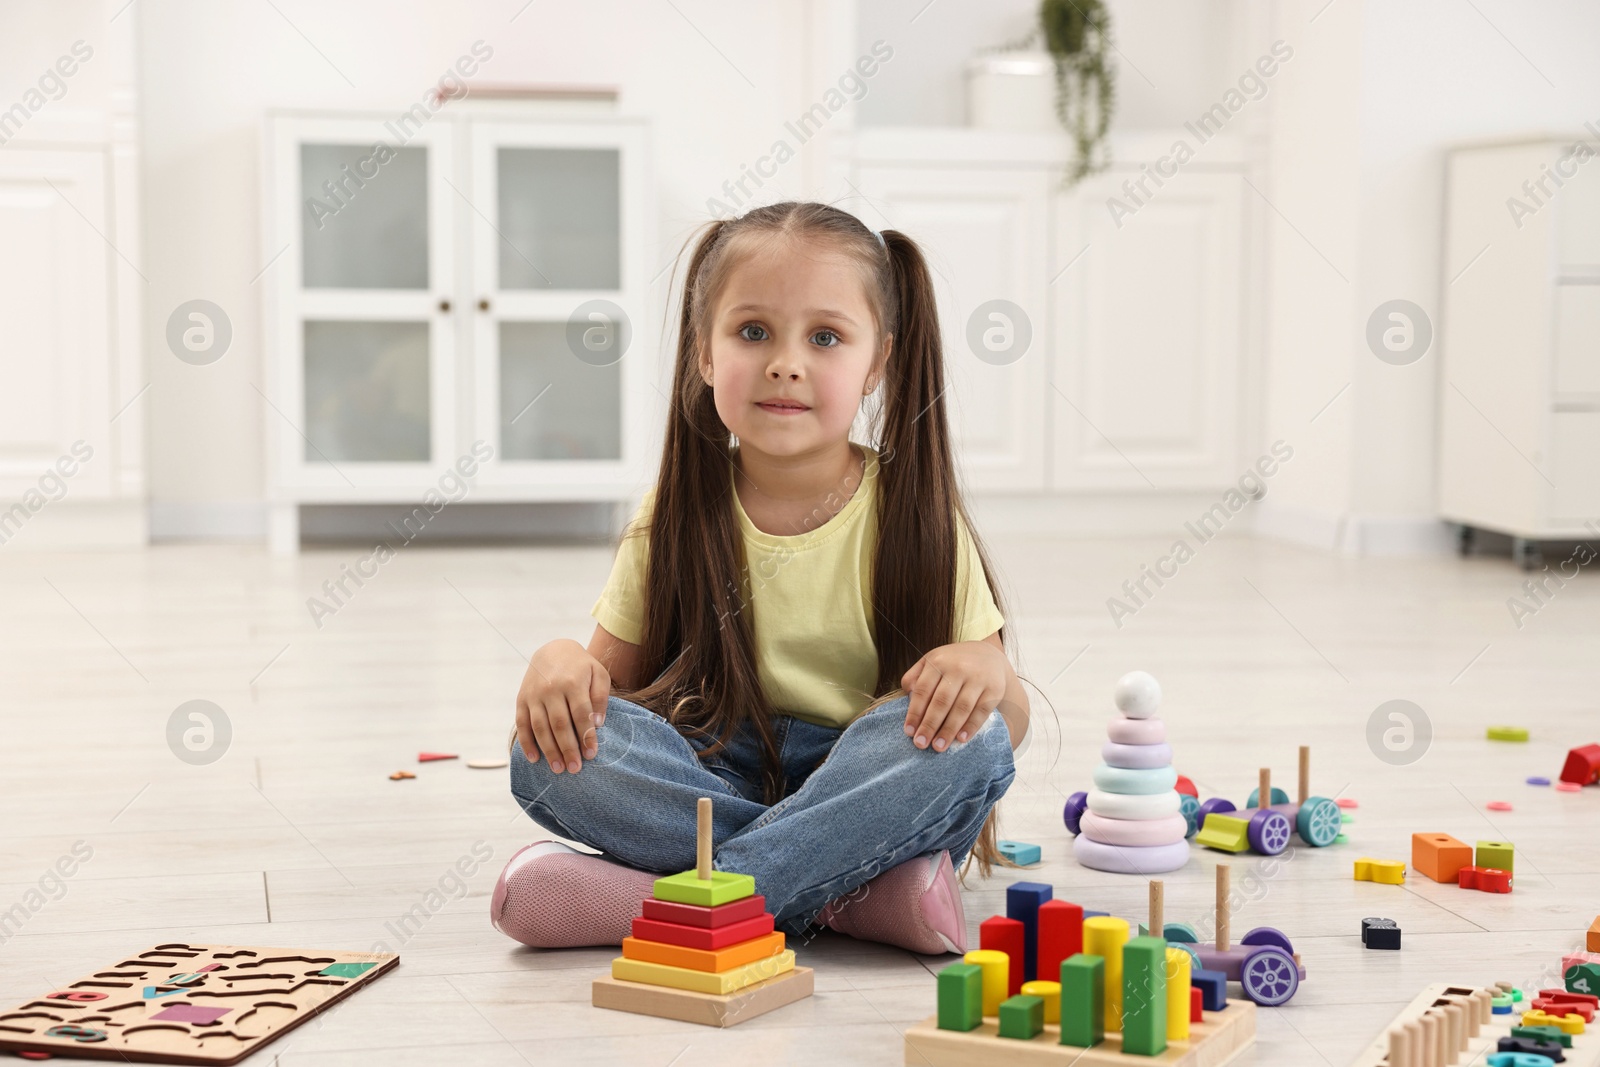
(1020, 852)
(1022, 903)
(1213, 988)
(1087, 914)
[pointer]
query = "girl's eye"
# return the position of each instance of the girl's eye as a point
(827, 333)
(752, 326)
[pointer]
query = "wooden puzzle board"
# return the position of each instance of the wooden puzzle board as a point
(181, 1003)
(1585, 1050)
(707, 1009)
(1212, 1043)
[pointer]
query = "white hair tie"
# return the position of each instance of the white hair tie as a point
(881, 242)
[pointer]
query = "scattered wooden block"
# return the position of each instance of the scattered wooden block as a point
(1593, 940)
(1485, 879)
(1582, 766)
(1439, 856)
(400, 776)
(1227, 833)
(429, 757)
(1020, 852)
(706, 1009)
(1497, 854)
(1380, 933)
(1387, 872)
(1508, 733)
(1582, 977)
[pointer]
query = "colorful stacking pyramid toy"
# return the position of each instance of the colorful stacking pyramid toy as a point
(704, 950)
(1133, 822)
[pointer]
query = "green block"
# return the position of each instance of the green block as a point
(346, 970)
(1083, 1000)
(1497, 854)
(1022, 1017)
(721, 888)
(1508, 733)
(1583, 978)
(1144, 996)
(1226, 832)
(1544, 1034)
(961, 997)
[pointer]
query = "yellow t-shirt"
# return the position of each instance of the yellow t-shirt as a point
(810, 598)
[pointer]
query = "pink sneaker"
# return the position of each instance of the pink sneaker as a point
(916, 906)
(553, 896)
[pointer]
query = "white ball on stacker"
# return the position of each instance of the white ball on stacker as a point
(1138, 694)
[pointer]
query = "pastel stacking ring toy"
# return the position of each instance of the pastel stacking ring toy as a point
(1151, 731)
(1132, 821)
(1137, 756)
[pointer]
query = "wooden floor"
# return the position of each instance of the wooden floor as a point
(296, 836)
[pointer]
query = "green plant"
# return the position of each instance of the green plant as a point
(1077, 34)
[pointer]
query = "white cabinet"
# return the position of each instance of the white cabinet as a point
(1132, 379)
(467, 289)
(1519, 444)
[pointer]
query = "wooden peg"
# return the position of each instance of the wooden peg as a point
(703, 839)
(1264, 791)
(1223, 890)
(1157, 918)
(1305, 773)
(1400, 1048)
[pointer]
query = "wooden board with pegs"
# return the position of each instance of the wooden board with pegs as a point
(1459, 1016)
(1213, 1042)
(194, 1004)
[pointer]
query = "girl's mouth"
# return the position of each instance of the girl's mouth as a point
(782, 407)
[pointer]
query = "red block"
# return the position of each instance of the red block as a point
(1487, 879)
(1582, 766)
(1060, 936)
(1560, 1002)
(1196, 999)
(670, 911)
(1009, 936)
(706, 938)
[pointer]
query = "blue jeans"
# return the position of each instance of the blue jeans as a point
(875, 801)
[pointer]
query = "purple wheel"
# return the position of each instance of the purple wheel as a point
(1267, 935)
(1076, 804)
(1215, 804)
(1269, 976)
(1269, 831)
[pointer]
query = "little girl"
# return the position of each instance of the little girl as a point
(800, 627)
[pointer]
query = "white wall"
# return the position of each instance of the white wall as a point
(210, 70)
(1379, 91)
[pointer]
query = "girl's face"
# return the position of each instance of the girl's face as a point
(792, 342)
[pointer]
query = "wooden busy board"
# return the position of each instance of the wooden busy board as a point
(1431, 1005)
(181, 1003)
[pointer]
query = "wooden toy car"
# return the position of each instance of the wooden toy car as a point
(1268, 829)
(1264, 962)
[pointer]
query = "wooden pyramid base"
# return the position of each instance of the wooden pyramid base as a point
(1211, 1043)
(707, 1009)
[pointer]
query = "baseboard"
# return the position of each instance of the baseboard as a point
(72, 525)
(1352, 535)
(208, 520)
(1089, 515)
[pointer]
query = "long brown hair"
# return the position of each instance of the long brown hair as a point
(698, 655)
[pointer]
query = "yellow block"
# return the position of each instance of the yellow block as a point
(996, 976)
(1178, 965)
(1104, 936)
(1570, 1023)
(702, 981)
(1050, 993)
(1389, 872)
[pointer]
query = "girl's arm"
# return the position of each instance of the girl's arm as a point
(1014, 705)
(956, 687)
(618, 657)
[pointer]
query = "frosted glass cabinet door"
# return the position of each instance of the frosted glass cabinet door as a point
(366, 390)
(560, 218)
(554, 405)
(364, 217)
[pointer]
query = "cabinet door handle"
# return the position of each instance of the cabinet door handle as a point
(483, 304)
(444, 305)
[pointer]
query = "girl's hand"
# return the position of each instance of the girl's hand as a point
(561, 702)
(953, 690)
